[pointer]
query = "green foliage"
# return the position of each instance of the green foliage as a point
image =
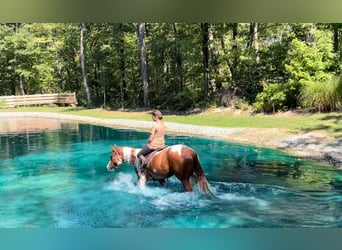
(338, 89)
(180, 101)
(271, 99)
(322, 96)
(311, 61)
(45, 58)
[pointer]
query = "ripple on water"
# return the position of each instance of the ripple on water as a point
(59, 179)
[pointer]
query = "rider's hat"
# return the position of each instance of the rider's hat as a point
(157, 114)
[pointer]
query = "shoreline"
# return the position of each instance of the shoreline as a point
(311, 145)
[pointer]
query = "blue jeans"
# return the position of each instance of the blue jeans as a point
(144, 151)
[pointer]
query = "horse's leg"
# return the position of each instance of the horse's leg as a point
(162, 182)
(142, 180)
(182, 168)
(187, 185)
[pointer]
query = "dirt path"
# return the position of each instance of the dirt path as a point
(312, 145)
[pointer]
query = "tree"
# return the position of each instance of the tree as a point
(311, 61)
(143, 62)
(178, 56)
(205, 51)
(174, 65)
(253, 40)
(83, 65)
(234, 64)
(122, 65)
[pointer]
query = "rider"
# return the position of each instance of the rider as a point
(156, 139)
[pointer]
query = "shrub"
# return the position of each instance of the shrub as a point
(271, 99)
(181, 101)
(339, 90)
(322, 96)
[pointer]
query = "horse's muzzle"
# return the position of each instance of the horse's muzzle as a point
(110, 166)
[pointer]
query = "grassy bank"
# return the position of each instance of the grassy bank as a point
(328, 123)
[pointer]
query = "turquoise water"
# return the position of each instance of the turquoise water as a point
(58, 179)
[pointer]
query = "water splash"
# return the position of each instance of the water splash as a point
(59, 179)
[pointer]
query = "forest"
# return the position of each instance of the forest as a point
(267, 67)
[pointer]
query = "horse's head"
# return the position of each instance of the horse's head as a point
(116, 158)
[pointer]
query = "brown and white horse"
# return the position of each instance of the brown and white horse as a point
(179, 160)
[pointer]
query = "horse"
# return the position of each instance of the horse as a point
(179, 160)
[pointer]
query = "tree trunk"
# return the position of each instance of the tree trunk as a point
(83, 65)
(336, 37)
(311, 34)
(233, 68)
(179, 60)
(232, 65)
(58, 65)
(122, 66)
(205, 51)
(143, 62)
(256, 43)
(250, 35)
(21, 85)
(254, 40)
(214, 60)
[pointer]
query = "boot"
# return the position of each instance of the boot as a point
(143, 161)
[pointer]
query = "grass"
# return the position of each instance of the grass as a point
(322, 96)
(329, 123)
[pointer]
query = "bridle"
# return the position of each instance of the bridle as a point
(115, 160)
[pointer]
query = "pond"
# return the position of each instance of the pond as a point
(56, 177)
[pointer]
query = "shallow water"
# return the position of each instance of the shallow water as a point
(57, 178)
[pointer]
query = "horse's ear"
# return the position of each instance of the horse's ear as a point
(113, 147)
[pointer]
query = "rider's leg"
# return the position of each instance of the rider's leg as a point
(143, 160)
(139, 164)
(141, 155)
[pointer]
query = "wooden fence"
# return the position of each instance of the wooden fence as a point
(25, 100)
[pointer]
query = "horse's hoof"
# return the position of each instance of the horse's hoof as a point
(162, 182)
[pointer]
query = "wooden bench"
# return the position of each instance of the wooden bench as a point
(23, 100)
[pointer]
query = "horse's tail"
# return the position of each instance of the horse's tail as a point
(200, 178)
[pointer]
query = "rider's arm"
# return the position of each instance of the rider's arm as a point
(154, 131)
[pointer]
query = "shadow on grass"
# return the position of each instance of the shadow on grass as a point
(317, 127)
(334, 118)
(164, 111)
(330, 122)
(74, 109)
(136, 110)
(338, 130)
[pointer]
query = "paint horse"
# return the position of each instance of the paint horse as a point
(179, 160)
